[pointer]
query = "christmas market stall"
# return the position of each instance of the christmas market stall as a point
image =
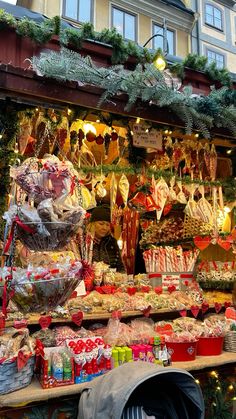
(91, 131)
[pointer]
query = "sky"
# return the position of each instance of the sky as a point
(10, 1)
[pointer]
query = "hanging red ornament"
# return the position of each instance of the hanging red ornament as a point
(143, 202)
(114, 136)
(90, 137)
(99, 139)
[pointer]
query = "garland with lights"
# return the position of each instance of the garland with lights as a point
(166, 174)
(121, 49)
(219, 393)
(145, 83)
(9, 126)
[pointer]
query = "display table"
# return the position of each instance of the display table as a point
(35, 393)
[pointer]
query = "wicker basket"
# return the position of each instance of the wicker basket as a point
(11, 379)
(230, 341)
(193, 227)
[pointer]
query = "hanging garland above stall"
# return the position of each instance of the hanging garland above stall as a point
(145, 83)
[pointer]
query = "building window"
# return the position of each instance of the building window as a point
(219, 59)
(125, 23)
(78, 10)
(158, 41)
(213, 16)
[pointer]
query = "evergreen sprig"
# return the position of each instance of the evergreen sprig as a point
(145, 83)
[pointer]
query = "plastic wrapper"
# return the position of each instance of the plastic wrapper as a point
(46, 336)
(62, 333)
(12, 341)
(47, 178)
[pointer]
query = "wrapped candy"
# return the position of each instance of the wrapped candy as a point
(124, 188)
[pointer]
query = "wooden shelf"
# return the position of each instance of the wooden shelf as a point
(35, 393)
(34, 318)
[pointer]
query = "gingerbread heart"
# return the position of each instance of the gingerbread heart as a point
(205, 307)
(218, 307)
(202, 242)
(45, 321)
(183, 313)
(194, 310)
(224, 244)
(77, 318)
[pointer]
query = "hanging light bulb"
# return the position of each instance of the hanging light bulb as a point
(137, 120)
(89, 128)
(227, 210)
(159, 61)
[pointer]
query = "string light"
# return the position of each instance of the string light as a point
(229, 151)
(147, 130)
(166, 131)
(137, 120)
(231, 387)
(37, 109)
(98, 121)
(1, 136)
(131, 132)
(218, 388)
(196, 135)
(69, 111)
(170, 132)
(214, 374)
(16, 150)
(227, 210)
(197, 381)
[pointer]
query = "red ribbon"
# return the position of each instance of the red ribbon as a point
(22, 225)
(4, 295)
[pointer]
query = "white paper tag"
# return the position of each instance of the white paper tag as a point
(81, 288)
(150, 139)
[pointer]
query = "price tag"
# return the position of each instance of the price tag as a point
(20, 324)
(45, 321)
(22, 360)
(77, 318)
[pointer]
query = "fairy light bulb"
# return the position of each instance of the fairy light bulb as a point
(197, 381)
(227, 210)
(89, 128)
(137, 120)
(1, 136)
(196, 135)
(69, 111)
(231, 387)
(16, 149)
(214, 374)
(147, 130)
(98, 121)
(166, 131)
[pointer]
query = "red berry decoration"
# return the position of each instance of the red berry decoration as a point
(90, 137)
(114, 136)
(99, 139)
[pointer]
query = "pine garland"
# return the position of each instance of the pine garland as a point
(121, 49)
(216, 285)
(145, 83)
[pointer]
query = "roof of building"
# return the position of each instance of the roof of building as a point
(20, 12)
(179, 4)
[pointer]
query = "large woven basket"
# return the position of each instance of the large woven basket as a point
(11, 379)
(230, 341)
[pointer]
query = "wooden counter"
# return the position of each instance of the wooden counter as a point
(35, 393)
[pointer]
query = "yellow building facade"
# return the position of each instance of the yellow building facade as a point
(146, 17)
